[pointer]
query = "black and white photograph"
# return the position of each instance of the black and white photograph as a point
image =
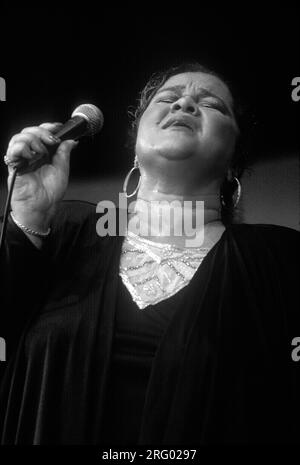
(149, 211)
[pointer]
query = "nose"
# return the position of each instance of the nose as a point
(187, 104)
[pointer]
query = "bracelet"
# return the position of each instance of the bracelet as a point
(32, 232)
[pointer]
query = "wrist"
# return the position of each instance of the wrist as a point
(30, 231)
(35, 220)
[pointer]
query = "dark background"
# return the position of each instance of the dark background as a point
(54, 59)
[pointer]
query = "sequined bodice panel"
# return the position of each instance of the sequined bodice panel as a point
(154, 271)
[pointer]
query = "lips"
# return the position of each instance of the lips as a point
(179, 122)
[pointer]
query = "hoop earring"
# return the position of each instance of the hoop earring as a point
(239, 193)
(126, 181)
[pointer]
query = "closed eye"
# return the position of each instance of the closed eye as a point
(216, 105)
(167, 100)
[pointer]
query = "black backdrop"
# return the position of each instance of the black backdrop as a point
(54, 59)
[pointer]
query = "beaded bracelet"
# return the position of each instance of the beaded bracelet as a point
(32, 232)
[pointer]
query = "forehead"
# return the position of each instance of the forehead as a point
(194, 81)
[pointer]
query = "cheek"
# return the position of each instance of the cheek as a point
(148, 127)
(146, 137)
(145, 132)
(221, 130)
(152, 116)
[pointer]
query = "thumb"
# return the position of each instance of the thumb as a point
(62, 156)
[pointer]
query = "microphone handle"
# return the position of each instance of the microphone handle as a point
(73, 129)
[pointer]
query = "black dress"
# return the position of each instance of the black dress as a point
(136, 338)
(210, 365)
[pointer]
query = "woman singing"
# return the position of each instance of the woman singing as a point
(126, 340)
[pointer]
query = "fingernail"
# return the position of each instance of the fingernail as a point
(54, 139)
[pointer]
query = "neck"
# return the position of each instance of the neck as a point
(209, 197)
(168, 216)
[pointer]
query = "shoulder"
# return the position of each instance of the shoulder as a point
(73, 224)
(79, 215)
(267, 239)
(268, 232)
(74, 235)
(73, 216)
(73, 211)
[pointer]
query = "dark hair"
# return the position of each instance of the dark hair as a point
(239, 160)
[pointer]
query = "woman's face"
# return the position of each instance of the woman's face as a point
(189, 125)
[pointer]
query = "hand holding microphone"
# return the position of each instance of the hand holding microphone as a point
(86, 120)
(41, 156)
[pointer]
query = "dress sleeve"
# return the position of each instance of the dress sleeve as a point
(24, 270)
(285, 246)
(28, 273)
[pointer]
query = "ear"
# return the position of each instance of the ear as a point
(230, 174)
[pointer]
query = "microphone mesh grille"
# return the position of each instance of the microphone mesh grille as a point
(93, 115)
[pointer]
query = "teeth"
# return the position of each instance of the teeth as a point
(177, 123)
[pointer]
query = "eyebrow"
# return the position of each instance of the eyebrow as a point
(202, 93)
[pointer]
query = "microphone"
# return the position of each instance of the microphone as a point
(86, 120)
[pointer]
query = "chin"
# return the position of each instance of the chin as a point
(177, 149)
(174, 154)
(169, 150)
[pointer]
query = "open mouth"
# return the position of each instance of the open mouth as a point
(180, 124)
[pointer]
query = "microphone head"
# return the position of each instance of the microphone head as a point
(93, 115)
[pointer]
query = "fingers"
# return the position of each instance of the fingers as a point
(44, 134)
(41, 132)
(29, 141)
(61, 159)
(52, 127)
(32, 142)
